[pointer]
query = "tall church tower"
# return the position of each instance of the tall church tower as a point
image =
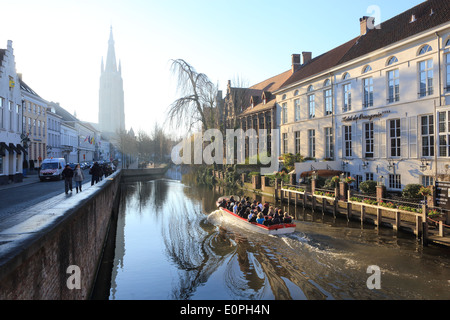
(111, 116)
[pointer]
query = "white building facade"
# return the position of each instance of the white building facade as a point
(11, 151)
(376, 108)
(54, 149)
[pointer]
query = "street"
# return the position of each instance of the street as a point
(14, 201)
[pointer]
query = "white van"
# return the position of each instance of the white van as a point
(52, 168)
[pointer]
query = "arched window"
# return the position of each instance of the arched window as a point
(426, 48)
(392, 60)
(447, 43)
(296, 93)
(367, 69)
(310, 88)
(326, 83)
(283, 97)
(346, 76)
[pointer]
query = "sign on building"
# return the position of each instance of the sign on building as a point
(443, 194)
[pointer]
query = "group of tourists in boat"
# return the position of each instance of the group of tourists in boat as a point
(255, 212)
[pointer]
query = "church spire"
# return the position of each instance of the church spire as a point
(111, 57)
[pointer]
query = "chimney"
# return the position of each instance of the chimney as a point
(307, 56)
(295, 62)
(366, 23)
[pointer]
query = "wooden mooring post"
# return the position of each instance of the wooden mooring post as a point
(396, 225)
(363, 214)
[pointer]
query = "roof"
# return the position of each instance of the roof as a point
(428, 15)
(25, 87)
(265, 87)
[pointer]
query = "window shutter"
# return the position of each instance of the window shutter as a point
(413, 139)
(356, 140)
(339, 141)
(404, 137)
(376, 139)
(382, 142)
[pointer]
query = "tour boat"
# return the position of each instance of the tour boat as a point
(281, 228)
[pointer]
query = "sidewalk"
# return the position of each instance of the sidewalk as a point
(29, 179)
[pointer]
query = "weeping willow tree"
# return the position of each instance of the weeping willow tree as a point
(198, 98)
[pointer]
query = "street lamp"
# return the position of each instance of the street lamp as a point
(424, 165)
(391, 164)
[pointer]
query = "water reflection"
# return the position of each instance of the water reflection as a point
(169, 246)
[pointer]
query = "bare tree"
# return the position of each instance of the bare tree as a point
(198, 97)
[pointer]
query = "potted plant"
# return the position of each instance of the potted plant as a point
(349, 180)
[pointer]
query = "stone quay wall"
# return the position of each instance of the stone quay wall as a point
(60, 261)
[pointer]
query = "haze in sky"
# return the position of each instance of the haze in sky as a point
(59, 44)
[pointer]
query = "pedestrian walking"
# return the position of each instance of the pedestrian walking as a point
(67, 174)
(78, 176)
(95, 172)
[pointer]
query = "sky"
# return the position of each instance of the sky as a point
(59, 44)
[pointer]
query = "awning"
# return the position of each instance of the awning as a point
(4, 146)
(20, 147)
(321, 173)
(14, 148)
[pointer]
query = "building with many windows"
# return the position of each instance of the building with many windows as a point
(34, 124)
(378, 106)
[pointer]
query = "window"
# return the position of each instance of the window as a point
(347, 97)
(447, 67)
(395, 181)
(17, 118)
(283, 97)
(347, 141)
(368, 92)
(285, 143)
(367, 69)
(369, 176)
(297, 142)
(297, 109)
(312, 143)
(426, 78)
(426, 48)
(329, 147)
(392, 61)
(444, 134)
(393, 86)
(427, 132)
(394, 126)
(11, 116)
(427, 181)
(368, 139)
(327, 83)
(312, 106)
(346, 76)
(284, 112)
(328, 98)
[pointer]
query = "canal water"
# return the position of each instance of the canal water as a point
(170, 245)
